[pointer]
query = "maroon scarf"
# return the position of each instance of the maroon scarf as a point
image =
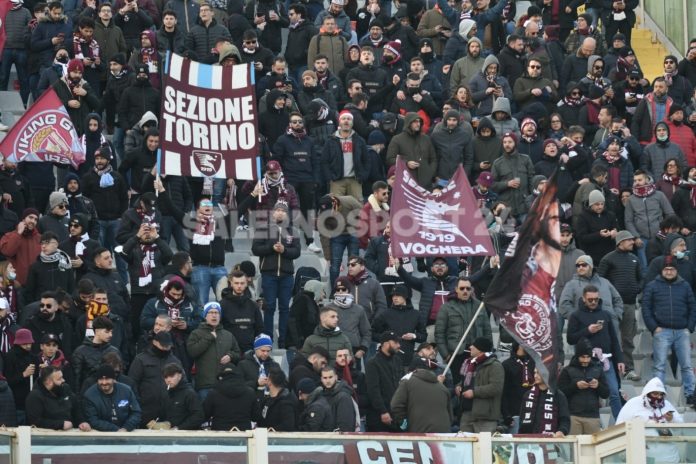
(569, 101)
(173, 305)
(469, 367)
(644, 191)
(692, 195)
(358, 278)
(674, 180)
(6, 336)
(205, 229)
(527, 371)
(347, 377)
(84, 49)
(10, 294)
(298, 134)
(593, 111)
(549, 417)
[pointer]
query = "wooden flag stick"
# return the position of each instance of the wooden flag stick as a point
(461, 340)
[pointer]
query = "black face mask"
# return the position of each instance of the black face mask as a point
(62, 59)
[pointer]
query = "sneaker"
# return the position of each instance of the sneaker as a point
(313, 248)
(632, 376)
(4, 128)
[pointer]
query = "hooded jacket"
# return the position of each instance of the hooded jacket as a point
(401, 320)
(507, 124)
(486, 148)
(146, 372)
(454, 147)
(298, 158)
(335, 47)
(571, 296)
(281, 412)
(681, 202)
(273, 122)
(479, 83)
(583, 402)
(136, 100)
(297, 48)
(465, 67)
(506, 168)
(344, 409)
(207, 350)
(272, 262)
(330, 339)
(317, 414)
(45, 31)
(424, 402)
(242, 317)
(414, 147)
(588, 229)
(230, 389)
(656, 155)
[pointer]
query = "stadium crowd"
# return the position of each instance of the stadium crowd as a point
(118, 311)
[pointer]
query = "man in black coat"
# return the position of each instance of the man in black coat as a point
(256, 365)
(52, 405)
(88, 356)
(104, 276)
(240, 314)
(230, 389)
(316, 416)
(76, 95)
(183, 409)
(50, 320)
(137, 99)
(382, 374)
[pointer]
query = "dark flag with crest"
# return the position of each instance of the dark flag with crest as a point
(521, 295)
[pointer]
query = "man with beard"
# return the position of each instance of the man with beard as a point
(50, 320)
(533, 87)
(327, 335)
(328, 80)
(56, 220)
(147, 255)
(87, 356)
(453, 141)
(329, 42)
(79, 246)
(241, 314)
(680, 89)
(80, 204)
(111, 406)
(651, 110)
(278, 247)
(257, 363)
(146, 372)
(138, 98)
(575, 65)
(382, 375)
(311, 89)
(519, 377)
(84, 324)
(76, 95)
(534, 415)
(50, 271)
(416, 150)
(52, 405)
(403, 320)
(511, 59)
(512, 188)
(467, 66)
(487, 85)
(583, 383)
(416, 100)
(681, 135)
(207, 252)
(343, 159)
(300, 33)
(628, 93)
(379, 261)
(252, 51)
(104, 276)
(109, 192)
(140, 162)
(594, 77)
(339, 396)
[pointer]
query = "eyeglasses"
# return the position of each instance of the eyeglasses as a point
(341, 289)
(296, 121)
(581, 265)
(534, 66)
(75, 225)
(440, 265)
(62, 206)
(47, 242)
(468, 289)
(598, 67)
(593, 300)
(670, 62)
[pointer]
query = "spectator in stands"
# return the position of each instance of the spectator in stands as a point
(583, 383)
(656, 155)
(53, 405)
(241, 314)
(183, 409)
(20, 370)
(343, 159)
(309, 365)
(651, 110)
(330, 42)
(403, 320)
(681, 134)
(211, 346)
(366, 290)
(683, 201)
(104, 276)
(111, 406)
(339, 395)
(300, 33)
(669, 310)
(421, 404)
(172, 36)
(645, 209)
(133, 18)
(622, 269)
(382, 375)
(512, 176)
(591, 321)
(519, 378)
(22, 245)
(453, 141)
(575, 64)
(481, 389)
(88, 356)
(15, 50)
(416, 150)
(596, 227)
(50, 320)
(230, 389)
(207, 251)
(538, 401)
(279, 409)
(316, 414)
(256, 364)
(77, 95)
(54, 29)
(337, 237)
(175, 303)
(204, 35)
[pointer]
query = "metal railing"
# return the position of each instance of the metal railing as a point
(675, 21)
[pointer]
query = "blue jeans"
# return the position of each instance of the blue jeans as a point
(678, 340)
(107, 233)
(276, 289)
(614, 394)
(172, 229)
(203, 278)
(17, 56)
(339, 245)
(642, 258)
(119, 136)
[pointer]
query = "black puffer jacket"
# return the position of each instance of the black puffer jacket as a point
(298, 44)
(47, 277)
(87, 358)
(230, 389)
(583, 402)
(273, 262)
(134, 257)
(201, 39)
(146, 372)
(242, 317)
(111, 202)
(182, 408)
(401, 320)
(427, 286)
(587, 233)
(136, 100)
(279, 412)
(250, 368)
(49, 410)
(317, 415)
(622, 269)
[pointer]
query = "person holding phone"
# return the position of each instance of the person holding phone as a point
(593, 323)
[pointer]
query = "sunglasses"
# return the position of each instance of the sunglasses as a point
(75, 225)
(598, 67)
(534, 66)
(296, 121)
(341, 289)
(670, 62)
(468, 289)
(49, 306)
(62, 206)
(581, 265)
(593, 300)
(353, 264)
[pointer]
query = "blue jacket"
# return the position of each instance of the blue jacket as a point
(606, 338)
(99, 407)
(482, 19)
(298, 158)
(670, 305)
(47, 30)
(155, 306)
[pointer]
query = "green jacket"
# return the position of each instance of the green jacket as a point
(332, 340)
(506, 168)
(488, 390)
(414, 147)
(424, 401)
(452, 321)
(207, 350)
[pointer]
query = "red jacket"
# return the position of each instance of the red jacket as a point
(21, 251)
(373, 220)
(683, 136)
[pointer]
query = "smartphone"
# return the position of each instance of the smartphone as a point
(600, 322)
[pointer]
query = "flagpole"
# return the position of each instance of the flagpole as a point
(159, 165)
(461, 340)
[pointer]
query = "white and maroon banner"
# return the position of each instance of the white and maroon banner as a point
(446, 223)
(44, 133)
(209, 120)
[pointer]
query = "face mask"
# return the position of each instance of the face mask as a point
(662, 138)
(62, 59)
(680, 254)
(11, 276)
(141, 79)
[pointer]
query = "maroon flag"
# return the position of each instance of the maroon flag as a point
(44, 133)
(521, 294)
(208, 123)
(5, 6)
(446, 223)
